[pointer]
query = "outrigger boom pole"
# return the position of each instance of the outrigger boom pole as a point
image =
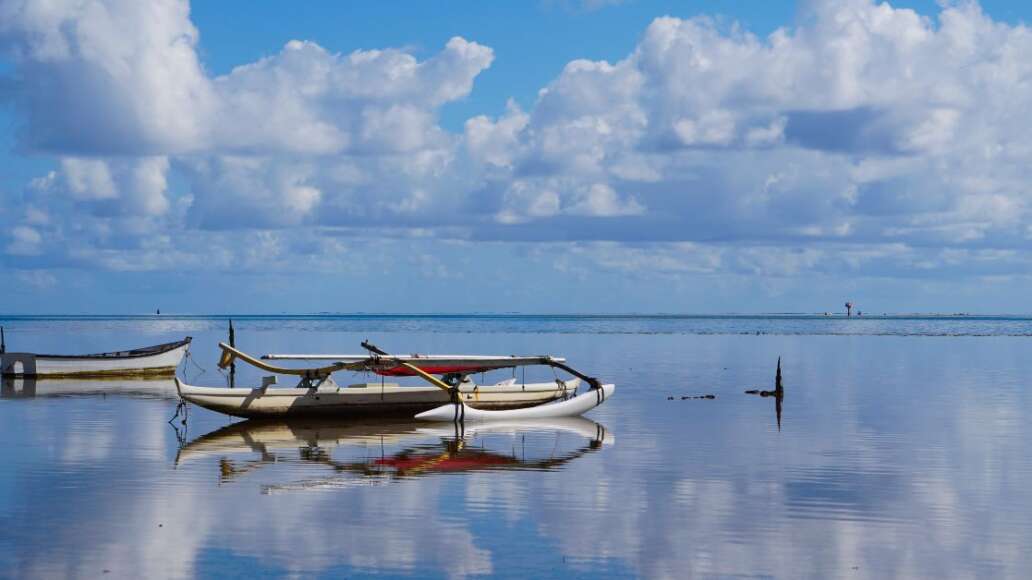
(377, 352)
(592, 381)
(230, 354)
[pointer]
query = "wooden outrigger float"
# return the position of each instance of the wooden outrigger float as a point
(453, 397)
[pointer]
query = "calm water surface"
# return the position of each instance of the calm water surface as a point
(903, 451)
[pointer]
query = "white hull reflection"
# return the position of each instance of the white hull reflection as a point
(30, 387)
(366, 453)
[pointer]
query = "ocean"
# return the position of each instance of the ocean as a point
(901, 448)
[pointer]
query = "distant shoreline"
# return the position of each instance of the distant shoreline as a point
(514, 315)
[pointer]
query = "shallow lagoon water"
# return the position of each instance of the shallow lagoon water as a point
(903, 453)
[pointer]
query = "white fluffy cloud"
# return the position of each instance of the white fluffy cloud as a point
(866, 122)
(106, 77)
(864, 131)
(131, 187)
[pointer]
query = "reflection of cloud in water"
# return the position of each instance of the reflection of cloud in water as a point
(115, 527)
(416, 522)
(900, 473)
(834, 496)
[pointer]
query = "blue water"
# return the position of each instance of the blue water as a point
(780, 324)
(903, 451)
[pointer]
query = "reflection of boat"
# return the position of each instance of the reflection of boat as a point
(27, 387)
(260, 435)
(424, 450)
(152, 361)
(452, 398)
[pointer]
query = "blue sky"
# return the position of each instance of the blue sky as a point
(558, 156)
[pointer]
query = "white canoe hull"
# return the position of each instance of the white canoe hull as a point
(372, 399)
(568, 408)
(141, 363)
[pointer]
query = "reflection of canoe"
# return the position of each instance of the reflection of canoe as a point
(26, 387)
(423, 450)
(368, 399)
(574, 425)
(264, 436)
(152, 361)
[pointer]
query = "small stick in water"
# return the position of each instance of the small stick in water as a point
(232, 366)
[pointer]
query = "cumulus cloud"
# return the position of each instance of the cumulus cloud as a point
(111, 77)
(134, 187)
(25, 241)
(770, 137)
(863, 127)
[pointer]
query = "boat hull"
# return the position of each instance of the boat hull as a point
(370, 400)
(159, 361)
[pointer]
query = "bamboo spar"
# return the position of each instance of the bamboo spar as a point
(229, 354)
(378, 357)
(427, 376)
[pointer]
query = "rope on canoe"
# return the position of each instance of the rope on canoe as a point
(182, 408)
(189, 357)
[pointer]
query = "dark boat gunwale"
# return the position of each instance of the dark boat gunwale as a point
(121, 354)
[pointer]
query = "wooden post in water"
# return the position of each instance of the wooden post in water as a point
(779, 394)
(232, 366)
(3, 342)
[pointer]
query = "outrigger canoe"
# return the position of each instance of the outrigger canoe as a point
(153, 361)
(452, 398)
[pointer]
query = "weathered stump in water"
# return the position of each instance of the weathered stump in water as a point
(232, 365)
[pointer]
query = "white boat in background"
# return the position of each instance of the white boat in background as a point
(452, 398)
(153, 361)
